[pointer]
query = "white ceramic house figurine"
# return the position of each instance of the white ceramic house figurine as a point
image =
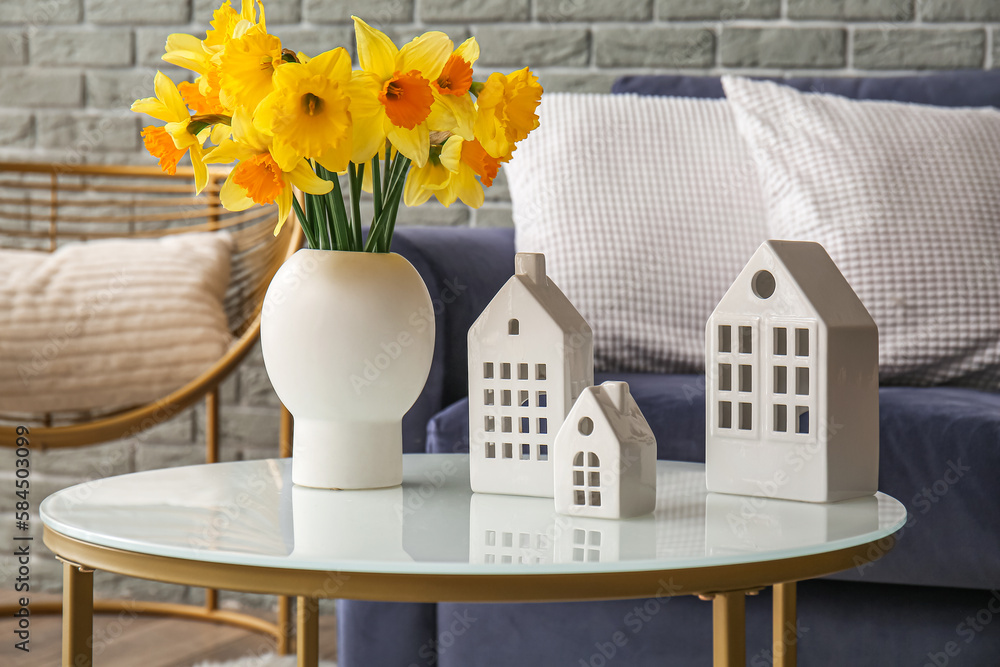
(605, 456)
(792, 381)
(531, 353)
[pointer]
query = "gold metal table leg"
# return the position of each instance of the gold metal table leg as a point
(284, 644)
(78, 616)
(729, 629)
(784, 627)
(307, 638)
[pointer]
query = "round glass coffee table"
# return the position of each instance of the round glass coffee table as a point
(244, 526)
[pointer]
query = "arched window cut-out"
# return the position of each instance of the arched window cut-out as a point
(578, 459)
(513, 327)
(586, 426)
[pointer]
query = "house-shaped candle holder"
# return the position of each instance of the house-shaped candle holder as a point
(531, 353)
(792, 381)
(605, 456)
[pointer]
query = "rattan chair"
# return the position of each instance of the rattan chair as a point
(43, 206)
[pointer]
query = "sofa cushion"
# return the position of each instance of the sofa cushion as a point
(646, 210)
(906, 200)
(940, 450)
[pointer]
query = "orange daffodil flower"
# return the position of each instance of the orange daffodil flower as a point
(170, 142)
(507, 111)
(258, 178)
(397, 85)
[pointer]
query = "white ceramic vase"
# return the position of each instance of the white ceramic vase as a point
(347, 339)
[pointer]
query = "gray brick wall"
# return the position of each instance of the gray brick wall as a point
(70, 68)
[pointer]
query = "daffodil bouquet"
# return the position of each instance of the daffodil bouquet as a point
(410, 123)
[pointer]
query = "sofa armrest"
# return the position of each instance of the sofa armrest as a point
(463, 269)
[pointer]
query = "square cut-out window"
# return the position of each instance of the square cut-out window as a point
(508, 540)
(746, 416)
(541, 399)
(508, 450)
(543, 452)
(579, 497)
(487, 397)
(578, 553)
(780, 418)
(725, 414)
(802, 342)
(505, 371)
(506, 560)
(525, 451)
(543, 425)
(523, 540)
(746, 377)
(491, 538)
(802, 381)
(522, 398)
(746, 340)
(577, 478)
(802, 419)
(522, 371)
(490, 424)
(505, 424)
(595, 478)
(780, 341)
(780, 380)
(725, 377)
(491, 450)
(488, 370)
(525, 425)
(593, 556)
(490, 559)
(539, 371)
(595, 498)
(505, 397)
(725, 338)
(594, 538)
(579, 536)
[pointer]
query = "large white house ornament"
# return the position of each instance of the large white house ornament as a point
(792, 381)
(531, 353)
(605, 456)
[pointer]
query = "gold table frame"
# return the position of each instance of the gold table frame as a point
(725, 585)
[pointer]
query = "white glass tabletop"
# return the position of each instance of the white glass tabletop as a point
(250, 513)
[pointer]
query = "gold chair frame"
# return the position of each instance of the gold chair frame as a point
(43, 206)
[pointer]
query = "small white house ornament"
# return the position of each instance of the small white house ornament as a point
(531, 353)
(605, 456)
(792, 381)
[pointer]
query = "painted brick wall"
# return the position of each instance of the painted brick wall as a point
(70, 68)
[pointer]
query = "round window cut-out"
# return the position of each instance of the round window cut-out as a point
(763, 284)
(586, 426)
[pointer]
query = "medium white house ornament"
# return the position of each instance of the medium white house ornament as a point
(531, 353)
(605, 456)
(792, 381)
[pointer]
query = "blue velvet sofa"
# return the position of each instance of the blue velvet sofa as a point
(933, 600)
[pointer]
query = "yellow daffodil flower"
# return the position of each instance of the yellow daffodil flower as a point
(248, 64)
(445, 176)
(507, 111)
(169, 107)
(257, 178)
(397, 85)
(308, 114)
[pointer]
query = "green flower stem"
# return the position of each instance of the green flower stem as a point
(376, 188)
(357, 175)
(304, 222)
(335, 199)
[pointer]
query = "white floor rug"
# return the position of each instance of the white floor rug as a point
(267, 660)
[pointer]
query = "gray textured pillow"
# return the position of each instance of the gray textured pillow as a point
(906, 199)
(646, 208)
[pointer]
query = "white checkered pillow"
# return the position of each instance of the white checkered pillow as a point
(906, 199)
(646, 209)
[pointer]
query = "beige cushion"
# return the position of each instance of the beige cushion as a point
(110, 324)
